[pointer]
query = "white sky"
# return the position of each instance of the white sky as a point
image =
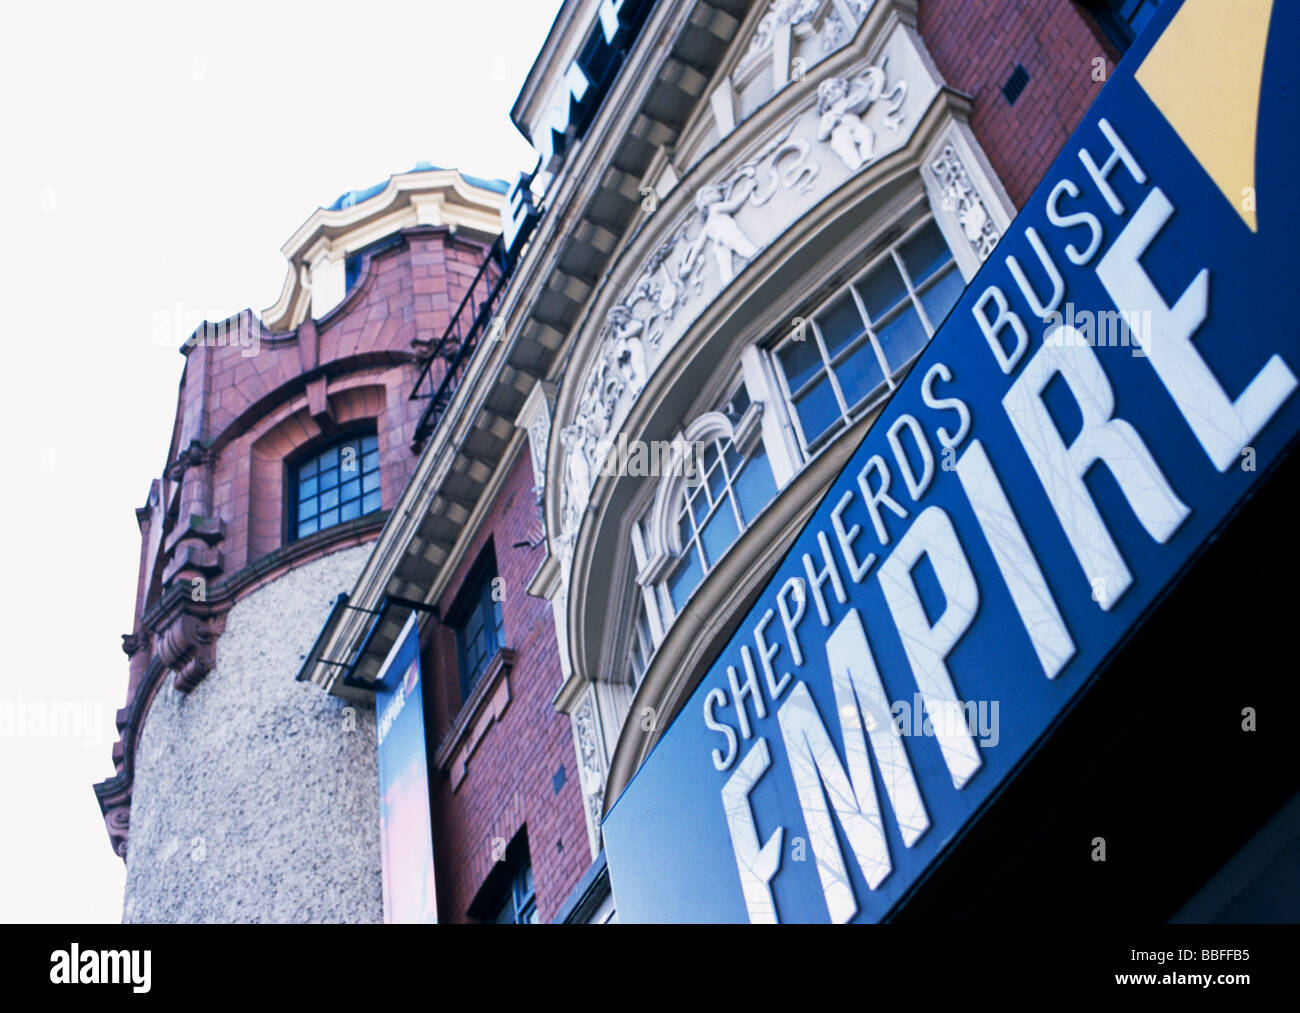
(153, 158)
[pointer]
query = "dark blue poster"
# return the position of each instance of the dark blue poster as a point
(1113, 384)
(405, 829)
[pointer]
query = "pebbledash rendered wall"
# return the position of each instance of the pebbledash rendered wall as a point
(256, 796)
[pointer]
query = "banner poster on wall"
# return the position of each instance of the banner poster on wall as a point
(405, 828)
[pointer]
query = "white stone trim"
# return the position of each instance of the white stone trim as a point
(972, 189)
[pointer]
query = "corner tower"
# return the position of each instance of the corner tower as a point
(291, 442)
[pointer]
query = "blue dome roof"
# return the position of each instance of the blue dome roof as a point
(352, 197)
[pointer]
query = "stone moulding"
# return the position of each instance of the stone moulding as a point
(865, 105)
(485, 706)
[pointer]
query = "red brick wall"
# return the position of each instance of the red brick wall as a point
(508, 781)
(977, 44)
(257, 410)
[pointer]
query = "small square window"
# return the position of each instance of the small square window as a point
(336, 484)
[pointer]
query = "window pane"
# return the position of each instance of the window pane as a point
(719, 532)
(902, 337)
(940, 297)
(699, 504)
(924, 252)
(710, 456)
(840, 324)
(817, 409)
(738, 403)
(717, 480)
(860, 375)
(755, 486)
(474, 624)
(321, 500)
(685, 579)
(369, 443)
(733, 458)
(881, 289)
(684, 532)
(800, 361)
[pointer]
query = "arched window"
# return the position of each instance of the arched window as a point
(337, 484)
(698, 513)
(847, 356)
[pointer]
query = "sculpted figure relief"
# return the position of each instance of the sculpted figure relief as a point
(842, 104)
(671, 278)
(719, 229)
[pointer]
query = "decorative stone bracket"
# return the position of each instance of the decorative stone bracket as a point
(188, 647)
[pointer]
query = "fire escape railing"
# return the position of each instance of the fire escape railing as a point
(447, 362)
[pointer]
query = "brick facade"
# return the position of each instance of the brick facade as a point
(977, 44)
(508, 782)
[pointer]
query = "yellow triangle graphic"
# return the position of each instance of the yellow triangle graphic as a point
(1204, 74)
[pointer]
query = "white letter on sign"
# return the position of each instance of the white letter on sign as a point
(928, 646)
(757, 865)
(1112, 441)
(818, 774)
(1016, 561)
(1223, 427)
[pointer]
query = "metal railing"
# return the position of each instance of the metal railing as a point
(447, 362)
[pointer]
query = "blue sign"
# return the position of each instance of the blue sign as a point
(1111, 387)
(405, 830)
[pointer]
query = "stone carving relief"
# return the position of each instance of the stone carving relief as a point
(798, 14)
(591, 769)
(799, 18)
(963, 200)
(842, 103)
(674, 274)
(704, 251)
(848, 122)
